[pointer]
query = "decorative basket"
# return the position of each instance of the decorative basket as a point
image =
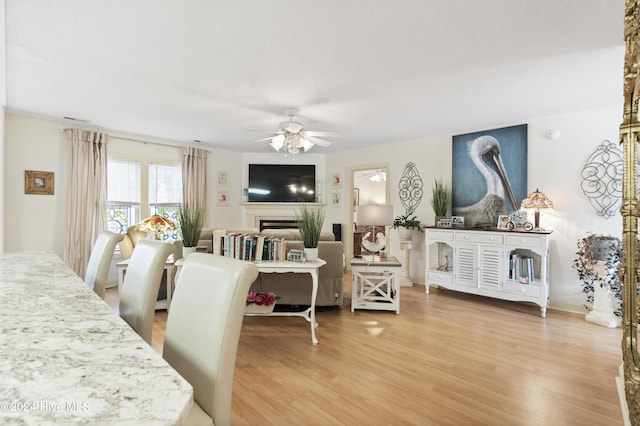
(252, 308)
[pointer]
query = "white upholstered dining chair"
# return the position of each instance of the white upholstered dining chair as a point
(141, 283)
(203, 330)
(100, 260)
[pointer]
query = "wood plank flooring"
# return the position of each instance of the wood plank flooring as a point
(447, 359)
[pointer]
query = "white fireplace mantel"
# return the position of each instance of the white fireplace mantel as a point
(255, 212)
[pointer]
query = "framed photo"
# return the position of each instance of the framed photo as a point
(457, 221)
(336, 181)
(444, 223)
(222, 178)
(503, 219)
(39, 183)
(336, 199)
(223, 198)
(356, 197)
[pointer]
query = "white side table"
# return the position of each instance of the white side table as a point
(405, 279)
(375, 284)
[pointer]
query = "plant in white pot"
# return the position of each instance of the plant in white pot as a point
(191, 223)
(598, 261)
(406, 224)
(310, 221)
(439, 199)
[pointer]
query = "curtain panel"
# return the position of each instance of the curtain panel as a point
(87, 196)
(194, 177)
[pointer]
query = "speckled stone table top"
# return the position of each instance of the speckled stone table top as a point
(67, 358)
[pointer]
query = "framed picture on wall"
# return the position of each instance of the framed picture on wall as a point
(356, 197)
(336, 181)
(489, 174)
(222, 178)
(223, 198)
(38, 183)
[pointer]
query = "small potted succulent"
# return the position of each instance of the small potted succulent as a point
(439, 199)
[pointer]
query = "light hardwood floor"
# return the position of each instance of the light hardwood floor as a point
(447, 359)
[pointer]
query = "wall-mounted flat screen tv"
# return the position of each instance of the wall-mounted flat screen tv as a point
(281, 183)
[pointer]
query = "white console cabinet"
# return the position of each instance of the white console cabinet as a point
(506, 265)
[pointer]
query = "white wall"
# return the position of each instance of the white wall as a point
(36, 222)
(554, 167)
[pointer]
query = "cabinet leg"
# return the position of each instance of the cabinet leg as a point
(543, 312)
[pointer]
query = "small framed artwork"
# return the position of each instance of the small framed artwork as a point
(336, 199)
(336, 181)
(457, 221)
(503, 221)
(444, 223)
(223, 198)
(39, 183)
(222, 178)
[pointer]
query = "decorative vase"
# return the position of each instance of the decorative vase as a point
(311, 254)
(404, 233)
(186, 251)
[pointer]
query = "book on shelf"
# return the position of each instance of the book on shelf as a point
(521, 268)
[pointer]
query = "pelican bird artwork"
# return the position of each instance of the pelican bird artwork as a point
(484, 151)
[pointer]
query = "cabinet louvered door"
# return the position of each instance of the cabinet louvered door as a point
(490, 268)
(466, 265)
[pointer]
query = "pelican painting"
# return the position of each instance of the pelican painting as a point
(484, 182)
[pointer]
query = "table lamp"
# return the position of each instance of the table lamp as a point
(370, 217)
(537, 200)
(156, 225)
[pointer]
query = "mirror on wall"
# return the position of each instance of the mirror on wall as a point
(369, 186)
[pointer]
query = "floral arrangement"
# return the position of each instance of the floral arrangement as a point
(261, 298)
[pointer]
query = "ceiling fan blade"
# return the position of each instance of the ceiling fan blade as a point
(323, 133)
(317, 141)
(291, 126)
(263, 139)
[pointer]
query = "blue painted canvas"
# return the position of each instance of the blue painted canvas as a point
(489, 174)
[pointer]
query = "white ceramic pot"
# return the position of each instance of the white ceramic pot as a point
(404, 233)
(186, 251)
(311, 254)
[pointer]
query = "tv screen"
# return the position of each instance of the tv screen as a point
(277, 183)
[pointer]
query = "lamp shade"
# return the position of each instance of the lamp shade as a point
(156, 224)
(374, 215)
(536, 200)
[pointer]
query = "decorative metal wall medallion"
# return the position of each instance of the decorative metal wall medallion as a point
(410, 187)
(602, 179)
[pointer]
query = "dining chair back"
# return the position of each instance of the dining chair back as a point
(97, 272)
(139, 290)
(203, 330)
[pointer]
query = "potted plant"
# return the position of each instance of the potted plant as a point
(191, 223)
(439, 199)
(310, 222)
(597, 262)
(405, 224)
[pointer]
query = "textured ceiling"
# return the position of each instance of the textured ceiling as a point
(377, 71)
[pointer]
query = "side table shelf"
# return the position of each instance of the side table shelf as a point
(375, 285)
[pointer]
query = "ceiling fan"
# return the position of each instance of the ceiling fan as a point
(292, 138)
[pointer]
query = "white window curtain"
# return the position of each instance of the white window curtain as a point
(194, 177)
(86, 196)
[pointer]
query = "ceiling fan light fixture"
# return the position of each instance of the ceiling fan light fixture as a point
(306, 144)
(277, 142)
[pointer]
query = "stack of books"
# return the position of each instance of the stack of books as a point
(521, 268)
(248, 247)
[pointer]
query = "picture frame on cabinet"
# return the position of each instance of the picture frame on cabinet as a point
(503, 220)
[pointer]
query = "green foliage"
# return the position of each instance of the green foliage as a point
(406, 221)
(191, 224)
(440, 198)
(310, 222)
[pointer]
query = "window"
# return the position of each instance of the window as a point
(137, 189)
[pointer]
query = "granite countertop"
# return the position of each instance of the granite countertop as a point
(67, 358)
